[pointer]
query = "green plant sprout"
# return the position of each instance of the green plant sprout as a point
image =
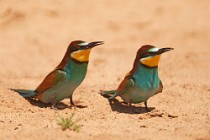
(69, 123)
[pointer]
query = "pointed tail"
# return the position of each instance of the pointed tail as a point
(25, 93)
(107, 92)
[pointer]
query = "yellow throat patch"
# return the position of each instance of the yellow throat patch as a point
(81, 55)
(151, 61)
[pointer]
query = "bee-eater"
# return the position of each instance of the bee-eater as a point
(142, 81)
(66, 77)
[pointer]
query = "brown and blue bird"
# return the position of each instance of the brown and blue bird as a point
(143, 80)
(66, 77)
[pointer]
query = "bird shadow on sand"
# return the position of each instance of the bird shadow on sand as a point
(59, 106)
(123, 107)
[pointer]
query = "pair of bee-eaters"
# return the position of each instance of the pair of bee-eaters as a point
(138, 86)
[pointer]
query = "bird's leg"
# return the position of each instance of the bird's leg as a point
(103, 92)
(54, 105)
(147, 109)
(132, 108)
(130, 105)
(71, 101)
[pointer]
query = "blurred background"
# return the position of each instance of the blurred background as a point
(34, 36)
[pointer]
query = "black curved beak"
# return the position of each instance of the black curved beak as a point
(162, 50)
(92, 44)
(96, 43)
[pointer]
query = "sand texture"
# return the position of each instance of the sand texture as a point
(34, 36)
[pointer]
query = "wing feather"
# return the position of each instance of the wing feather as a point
(50, 80)
(125, 84)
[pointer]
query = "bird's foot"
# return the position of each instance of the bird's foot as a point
(76, 105)
(147, 109)
(54, 107)
(72, 103)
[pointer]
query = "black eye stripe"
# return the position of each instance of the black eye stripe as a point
(145, 54)
(74, 48)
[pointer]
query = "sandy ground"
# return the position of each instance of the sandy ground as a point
(34, 37)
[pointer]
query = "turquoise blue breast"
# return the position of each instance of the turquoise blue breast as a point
(147, 83)
(75, 74)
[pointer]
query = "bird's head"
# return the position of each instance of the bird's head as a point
(149, 55)
(80, 50)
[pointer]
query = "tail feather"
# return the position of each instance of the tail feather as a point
(25, 93)
(107, 92)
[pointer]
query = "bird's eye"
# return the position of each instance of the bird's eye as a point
(145, 54)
